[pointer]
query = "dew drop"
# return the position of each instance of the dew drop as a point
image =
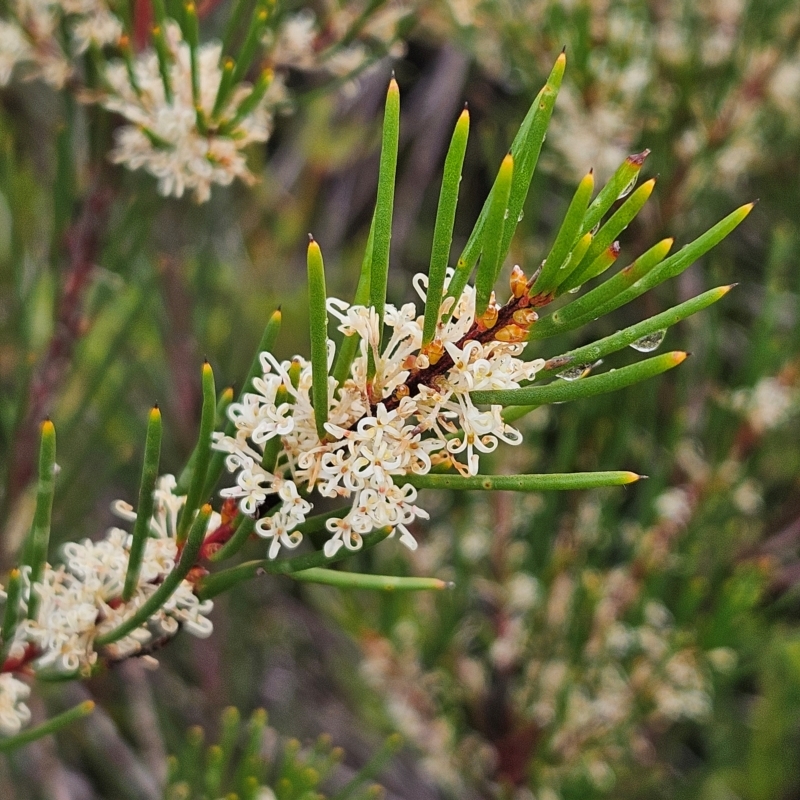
(574, 373)
(650, 342)
(575, 290)
(521, 215)
(505, 216)
(629, 188)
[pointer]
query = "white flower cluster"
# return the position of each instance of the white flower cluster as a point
(163, 136)
(379, 429)
(81, 598)
(31, 38)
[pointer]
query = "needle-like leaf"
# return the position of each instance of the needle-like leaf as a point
(566, 238)
(318, 322)
(621, 339)
(521, 483)
(525, 150)
(489, 268)
(202, 455)
(39, 536)
(564, 391)
(144, 509)
(52, 725)
(443, 228)
(384, 205)
(360, 580)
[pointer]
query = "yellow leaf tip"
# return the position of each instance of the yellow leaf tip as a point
(48, 429)
(748, 207)
(679, 356)
(87, 706)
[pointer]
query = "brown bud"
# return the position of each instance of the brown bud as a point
(519, 283)
(402, 391)
(434, 351)
(511, 334)
(525, 317)
(488, 319)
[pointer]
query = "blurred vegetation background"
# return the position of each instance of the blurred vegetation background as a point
(640, 642)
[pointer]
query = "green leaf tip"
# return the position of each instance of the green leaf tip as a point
(565, 391)
(384, 208)
(443, 227)
(318, 322)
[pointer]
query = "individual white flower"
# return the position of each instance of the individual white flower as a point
(14, 714)
(14, 49)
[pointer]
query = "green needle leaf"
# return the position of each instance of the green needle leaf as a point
(318, 321)
(603, 303)
(164, 57)
(39, 536)
(443, 229)
(621, 181)
(188, 558)
(617, 341)
(525, 150)
(225, 85)
(243, 531)
(51, 726)
(248, 50)
(202, 455)
(12, 611)
(250, 103)
(212, 585)
(489, 268)
(566, 238)
(586, 308)
(358, 580)
(144, 510)
(217, 463)
(384, 205)
(191, 27)
(563, 391)
(520, 483)
(349, 346)
(593, 261)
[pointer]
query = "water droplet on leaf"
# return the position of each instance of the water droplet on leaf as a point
(629, 188)
(650, 342)
(574, 373)
(521, 215)
(575, 290)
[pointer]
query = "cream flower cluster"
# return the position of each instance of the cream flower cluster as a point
(162, 135)
(32, 37)
(80, 599)
(378, 430)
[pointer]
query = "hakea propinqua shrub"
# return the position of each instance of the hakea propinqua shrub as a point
(406, 401)
(412, 400)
